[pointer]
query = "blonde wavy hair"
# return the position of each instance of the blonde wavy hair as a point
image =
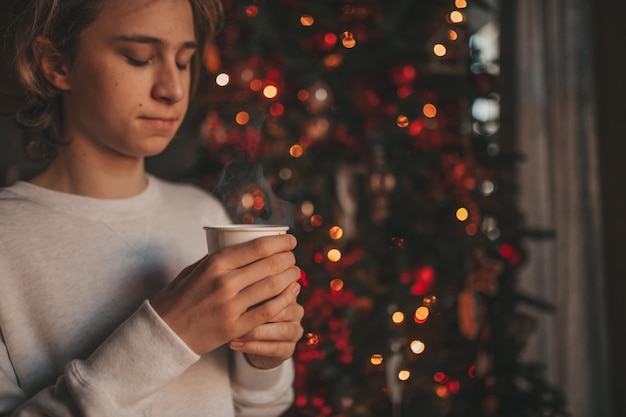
(62, 22)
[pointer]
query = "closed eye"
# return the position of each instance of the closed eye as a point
(137, 62)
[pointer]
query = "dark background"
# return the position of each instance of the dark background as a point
(610, 66)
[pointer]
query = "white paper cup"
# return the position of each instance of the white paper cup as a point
(218, 237)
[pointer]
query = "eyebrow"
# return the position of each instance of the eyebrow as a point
(153, 40)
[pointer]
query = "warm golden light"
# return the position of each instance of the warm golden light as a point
(335, 232)
(296, 151)
(270, 91)
(417, 347)
(462, 214)
(402, 121)
(307, 20)
(376, 359)
(422, 313)
(307, 208)
(456, 17)
(242, 118)
(397, 317)
(336, 284)
(247, 200)
(403, 375)
(461, 4)
(334, 255)
(312, 339)
(452, 35)
(429, 110)
(347, 40)
(442, 391)
(430, 300)
(332, 60)
(316, 220)
(222, 79)
(439, 49)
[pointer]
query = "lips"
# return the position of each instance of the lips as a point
(160, 123)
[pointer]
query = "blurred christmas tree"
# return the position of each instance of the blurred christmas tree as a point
(360, 124)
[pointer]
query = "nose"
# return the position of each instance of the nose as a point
(169, 85)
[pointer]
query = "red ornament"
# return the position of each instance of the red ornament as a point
(513, 254)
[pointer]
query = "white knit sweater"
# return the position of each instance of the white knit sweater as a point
(79, 337)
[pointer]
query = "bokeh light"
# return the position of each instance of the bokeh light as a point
(456, 17)
(256, 85)
(462, 214)
(397, 317)
(334, 255)
(402, 121)
(222, 79)
(404, 375)
(247, 200)
(440, 50)
(252, 11)
(242, 118)
(307, 208)
(312, 339)
(417, 347)
(376, 359)
(316, 220)
(347, 40)
(336, 284)
(296, 151)
(421, 314)
(307, 20)
(429, 110)
(270, 91)
(335, 232)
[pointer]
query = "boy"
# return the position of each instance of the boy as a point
(92, 322)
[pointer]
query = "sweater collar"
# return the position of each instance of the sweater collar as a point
(103, 209)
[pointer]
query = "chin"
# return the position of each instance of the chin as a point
(155, 146)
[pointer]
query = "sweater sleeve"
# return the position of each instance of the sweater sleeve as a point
(261, 392)
(139, 358)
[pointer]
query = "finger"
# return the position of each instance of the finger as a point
(237, 256)
(284, 331)
(276, 350)
(268, 310)
(271, 287)
(293, 312)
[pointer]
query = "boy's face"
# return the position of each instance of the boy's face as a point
(129, 81)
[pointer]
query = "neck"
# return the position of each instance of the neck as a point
(113, 177)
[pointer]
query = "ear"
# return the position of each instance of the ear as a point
(52, 63)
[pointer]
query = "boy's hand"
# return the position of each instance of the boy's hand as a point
(271, 343)
(226, 295)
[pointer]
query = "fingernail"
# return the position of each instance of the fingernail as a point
(236, 344)
(296, 289)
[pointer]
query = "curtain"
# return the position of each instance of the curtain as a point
(560, 192)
